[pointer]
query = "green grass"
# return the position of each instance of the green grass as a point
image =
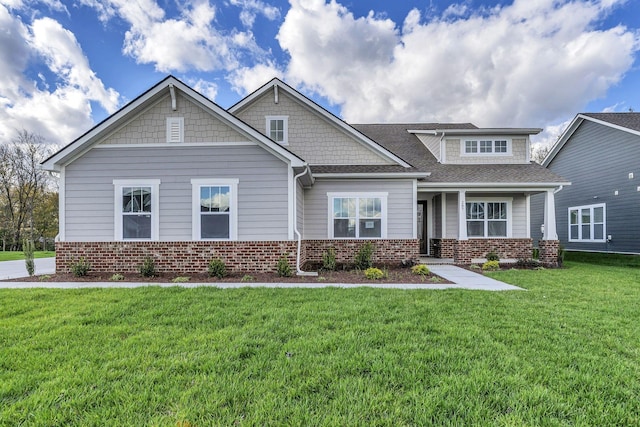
(565, 352)
(18, 255)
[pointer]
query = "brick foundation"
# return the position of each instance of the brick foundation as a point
(194, 257)
(548, 252)
(464, 251)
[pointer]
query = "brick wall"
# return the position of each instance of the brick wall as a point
(464, 251)
(548, 254)
(193, 257)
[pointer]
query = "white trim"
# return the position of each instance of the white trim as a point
(415, 210)
(491, 186)
(462, 215)
(291, 208)
(493, 139)
(62, 201)
(358, 195)
(373, 175)
(591, 223)
(480, 131)
(175, 122)
(182, 145)
(196, 184)
(285, 128)
(119, 184)
(429, 224)
(508, 201)
(443, 214)
(527, 204)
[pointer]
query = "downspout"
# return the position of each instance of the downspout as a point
(559, 189)
(299, 271)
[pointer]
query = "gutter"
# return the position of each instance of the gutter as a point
(299, 271)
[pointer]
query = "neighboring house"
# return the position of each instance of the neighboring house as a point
(174, 176)
(600, 154)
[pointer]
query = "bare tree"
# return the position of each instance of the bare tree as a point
(22, 184)
(539, 152)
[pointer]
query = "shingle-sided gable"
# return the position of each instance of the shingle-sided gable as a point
(313, 134)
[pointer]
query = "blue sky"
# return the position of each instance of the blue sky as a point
(66, 65)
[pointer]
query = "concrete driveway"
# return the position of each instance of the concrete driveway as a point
(16, 269)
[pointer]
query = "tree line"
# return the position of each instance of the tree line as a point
(28, 194)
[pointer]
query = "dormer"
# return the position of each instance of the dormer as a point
(479, 146)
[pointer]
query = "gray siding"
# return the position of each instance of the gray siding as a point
(399, 205)
(597, 160)
(262, 189)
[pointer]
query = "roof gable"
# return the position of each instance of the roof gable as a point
(626, 122)
(278, 90)
(169, 85)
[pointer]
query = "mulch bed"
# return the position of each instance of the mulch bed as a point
(395, 275)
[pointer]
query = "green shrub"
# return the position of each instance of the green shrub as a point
(80, 268)
(181, 279)
(148, 267)
(535, 253)
(372, 273)
(420, 269)
(527, 263)
(493, 256)
(44, 277)
(217, 268)
(491, 266)
(474, 267)
(117, 277)
(283, 268)
(247, 278)
(363, 256)
(560, 255)
(329, 259)
(27, 248)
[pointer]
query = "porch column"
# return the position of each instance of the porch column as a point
(462, 215)
(549, 217)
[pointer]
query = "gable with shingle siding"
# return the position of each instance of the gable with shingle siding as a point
(309, 135)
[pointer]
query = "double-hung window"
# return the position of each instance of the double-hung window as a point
(277, 129)
(357, 216)
(587, 223)
(214, 207)
(136, 209)
(488, 219)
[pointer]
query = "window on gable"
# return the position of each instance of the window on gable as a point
(487, 219)
(136, 209)
(357, 216)
(486, 147)
(175, 129)
(277, 129)
(587, 223)
(214, 208)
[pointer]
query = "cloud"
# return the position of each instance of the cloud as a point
(208, 89)
(55, 107)
(245, 80)
(520, 65)
(252, 8)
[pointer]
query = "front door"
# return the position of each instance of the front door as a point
(422, 228)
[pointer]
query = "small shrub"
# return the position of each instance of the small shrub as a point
(283, 268)
(435, 279)
(217, 268)
(247, 278)
(420, 269)
(117, 277)
(560, 255)
(148, 267)
(28, 248)
(535, 254)
(363, 256)
(474, 267)
(329, 259)
(372, 273)
(493, 256)
(491, 266)
(44, 277)
(80, 268)
(527, 263)
(181, 279)
(408, 262)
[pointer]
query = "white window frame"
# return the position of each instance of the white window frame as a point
(285, 131)
(177, 124)
(196, 184)
(154, 184)
(365, 195)
(592, 223)
(477, 145)
(507, 200)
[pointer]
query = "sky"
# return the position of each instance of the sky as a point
(67, 65)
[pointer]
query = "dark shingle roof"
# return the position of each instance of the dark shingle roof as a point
(397, 139)
(627, 120)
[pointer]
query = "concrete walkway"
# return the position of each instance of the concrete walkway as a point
(15, 269)
(463, 279)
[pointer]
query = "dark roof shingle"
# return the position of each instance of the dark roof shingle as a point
(627, 120)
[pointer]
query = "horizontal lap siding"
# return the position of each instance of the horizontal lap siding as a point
(597, 160)
(400, 205)
(262, 189)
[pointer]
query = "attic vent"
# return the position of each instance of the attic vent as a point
(175, 129)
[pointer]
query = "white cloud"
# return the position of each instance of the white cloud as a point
(252, 8)
(245, 80)
(520, 65)
(208, 89)
(59, 108)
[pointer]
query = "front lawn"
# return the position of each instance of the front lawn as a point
(18, 255)
(565, 352)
